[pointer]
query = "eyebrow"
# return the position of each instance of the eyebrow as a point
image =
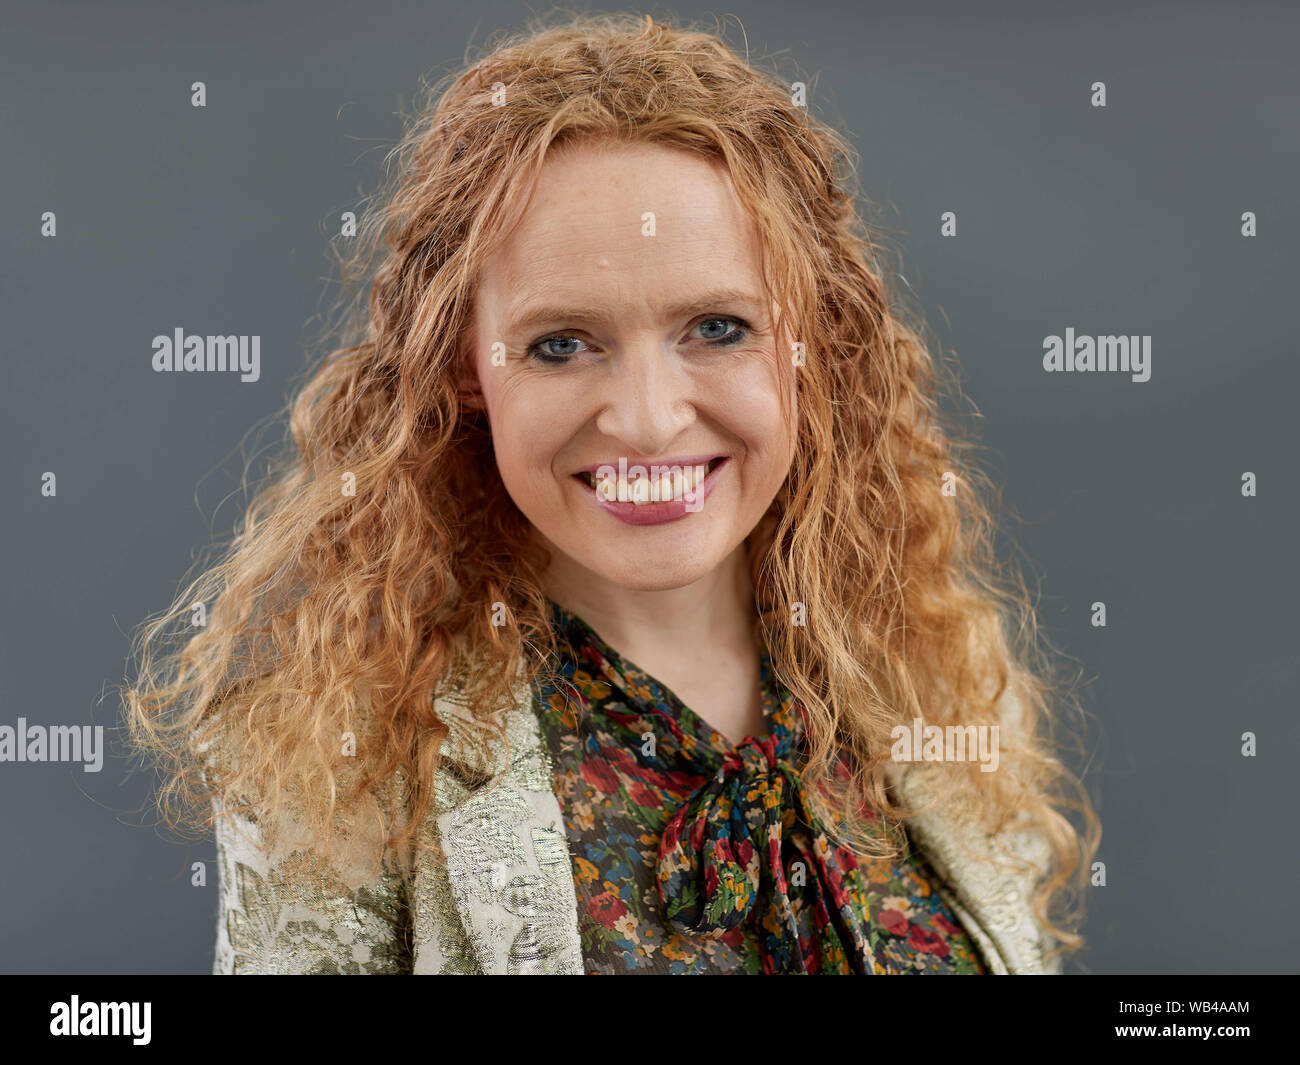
(533, 314)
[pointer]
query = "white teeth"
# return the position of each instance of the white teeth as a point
(676, 483)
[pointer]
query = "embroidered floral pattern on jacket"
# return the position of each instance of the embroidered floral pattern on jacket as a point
(694, 855)
(276, 924)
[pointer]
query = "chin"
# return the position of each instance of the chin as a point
(656, 570)
(651, 579)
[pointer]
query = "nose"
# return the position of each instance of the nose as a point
(647, 400)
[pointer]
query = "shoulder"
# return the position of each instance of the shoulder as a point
(286, 909)
(988, 877)
(292, 902)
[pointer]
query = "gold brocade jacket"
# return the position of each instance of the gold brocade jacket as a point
(503, 901)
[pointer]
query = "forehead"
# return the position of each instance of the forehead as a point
(637, 220)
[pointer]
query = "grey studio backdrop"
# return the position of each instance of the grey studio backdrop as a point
(1125, 219)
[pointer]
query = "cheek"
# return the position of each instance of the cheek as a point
(530, 426)
(759, 413)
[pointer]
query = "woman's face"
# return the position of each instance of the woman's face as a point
(622, 323)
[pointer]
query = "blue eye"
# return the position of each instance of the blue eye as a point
(739, 333)
(540, 352)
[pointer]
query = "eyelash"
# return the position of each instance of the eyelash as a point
(551, 359)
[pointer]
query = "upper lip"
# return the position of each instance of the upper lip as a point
(674, 460)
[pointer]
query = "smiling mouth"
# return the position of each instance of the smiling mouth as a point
(674, 483)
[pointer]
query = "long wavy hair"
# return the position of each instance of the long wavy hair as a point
(373, 557)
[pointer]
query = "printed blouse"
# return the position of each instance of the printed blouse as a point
(692, 854)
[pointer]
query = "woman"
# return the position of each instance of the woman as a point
(587, 628)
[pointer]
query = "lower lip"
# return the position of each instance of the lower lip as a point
(657, 513)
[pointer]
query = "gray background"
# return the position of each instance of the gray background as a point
(1122, 220)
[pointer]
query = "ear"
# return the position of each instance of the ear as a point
(468, 387)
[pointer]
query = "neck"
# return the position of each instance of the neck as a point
(712, 614)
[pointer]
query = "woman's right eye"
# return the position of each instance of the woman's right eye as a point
(542, 352)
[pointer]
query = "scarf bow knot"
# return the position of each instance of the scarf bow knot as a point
(726, 838)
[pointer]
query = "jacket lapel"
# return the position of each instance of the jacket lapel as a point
(508, 870)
